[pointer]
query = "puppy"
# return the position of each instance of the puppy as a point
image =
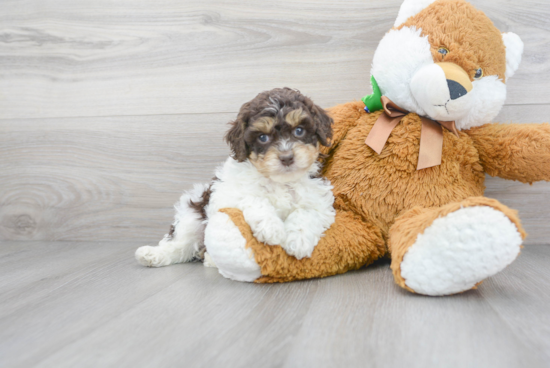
(272, 176)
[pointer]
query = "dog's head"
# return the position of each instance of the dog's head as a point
(279, 131)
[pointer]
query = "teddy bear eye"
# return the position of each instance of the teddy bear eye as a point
(479, 73)
(443, 51)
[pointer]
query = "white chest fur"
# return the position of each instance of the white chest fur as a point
(293, 214)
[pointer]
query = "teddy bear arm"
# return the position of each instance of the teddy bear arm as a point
(348, 244)
(514, 151)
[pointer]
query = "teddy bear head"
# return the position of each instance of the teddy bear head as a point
(446, 60)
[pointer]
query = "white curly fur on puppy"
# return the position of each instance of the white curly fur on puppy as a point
(291, 214)
(188, 235)
(271, 176)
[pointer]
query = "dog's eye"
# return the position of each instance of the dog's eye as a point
(443, 51)
(299, 132)
(264, 138)
(479, 73)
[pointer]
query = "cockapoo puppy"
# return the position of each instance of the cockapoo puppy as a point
(272, 177)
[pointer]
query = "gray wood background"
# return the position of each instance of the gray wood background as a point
(110, 108)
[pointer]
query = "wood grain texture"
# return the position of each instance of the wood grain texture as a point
(117, 178)
(110, 109)
(67, 58)
(90, 304)
(103, 178)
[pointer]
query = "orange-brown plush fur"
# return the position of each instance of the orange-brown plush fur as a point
(375, 189)
(513, 151)
(380, 187)
(472, 39)
(383, 199)
(349, 244)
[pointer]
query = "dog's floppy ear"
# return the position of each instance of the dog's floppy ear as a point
(235, 135)
(322, 124)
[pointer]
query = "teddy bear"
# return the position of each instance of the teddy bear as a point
(408, 163)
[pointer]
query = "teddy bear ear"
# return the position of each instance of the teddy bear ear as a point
(514, 50)
(410, 8)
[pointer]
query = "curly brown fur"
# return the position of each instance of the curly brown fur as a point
(200, 206)
(277, 112)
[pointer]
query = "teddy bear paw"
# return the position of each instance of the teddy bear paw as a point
(208, 261)
(459, 250)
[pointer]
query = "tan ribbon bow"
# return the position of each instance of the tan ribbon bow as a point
(431, 136)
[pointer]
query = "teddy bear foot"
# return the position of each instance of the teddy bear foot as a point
(227, 250)
(208, 261)
(459, 250)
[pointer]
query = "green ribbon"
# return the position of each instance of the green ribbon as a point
(372, 101)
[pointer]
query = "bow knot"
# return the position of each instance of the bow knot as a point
(431, 136)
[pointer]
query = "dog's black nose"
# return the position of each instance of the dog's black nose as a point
(287, 159)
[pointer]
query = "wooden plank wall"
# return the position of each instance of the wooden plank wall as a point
(110, 108)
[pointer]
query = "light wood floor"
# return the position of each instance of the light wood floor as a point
(65, 304)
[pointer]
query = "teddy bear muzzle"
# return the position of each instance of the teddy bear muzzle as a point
(442, 91)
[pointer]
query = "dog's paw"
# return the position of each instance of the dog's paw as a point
(271, 232)
(299, 244)
(151, 256)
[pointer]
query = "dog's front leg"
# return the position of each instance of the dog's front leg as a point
(262, 218)
(304, 228)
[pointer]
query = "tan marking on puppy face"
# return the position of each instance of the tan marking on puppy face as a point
(295, 117)
(264, 125)
(471, 38)
(269, 164)
(305, 154)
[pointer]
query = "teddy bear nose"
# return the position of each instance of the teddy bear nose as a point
(287, 159)
(456, 89)
(458, 81)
